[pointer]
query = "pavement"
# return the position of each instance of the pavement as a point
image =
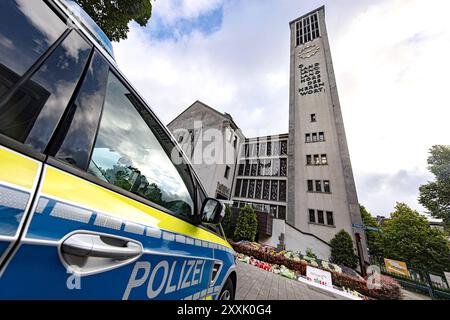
(409, 295)
(258, 284)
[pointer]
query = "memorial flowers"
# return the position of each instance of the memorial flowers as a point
(293, 265)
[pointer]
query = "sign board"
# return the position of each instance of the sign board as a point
(328, 290)
(223, 189)
(398, 267)
(319, 276)
(361, 226)
(438, 280)
(447, 277)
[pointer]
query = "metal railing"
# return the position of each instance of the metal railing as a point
(421, 281)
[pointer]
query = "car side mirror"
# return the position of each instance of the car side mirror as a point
(212, 212)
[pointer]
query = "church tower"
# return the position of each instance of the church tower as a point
(322, 198)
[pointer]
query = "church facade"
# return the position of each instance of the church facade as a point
(300, 183)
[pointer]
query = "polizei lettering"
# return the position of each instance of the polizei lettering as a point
(165, 278)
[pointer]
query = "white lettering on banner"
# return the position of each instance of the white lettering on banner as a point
(161, 277)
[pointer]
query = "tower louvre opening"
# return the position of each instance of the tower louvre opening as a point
(307, 29)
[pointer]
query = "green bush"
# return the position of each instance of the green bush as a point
(342, 250)
(247, 225)
(310, 254)
(226, 223)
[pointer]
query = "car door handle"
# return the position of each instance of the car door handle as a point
(101, 246)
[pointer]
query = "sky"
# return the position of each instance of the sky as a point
(391, 59)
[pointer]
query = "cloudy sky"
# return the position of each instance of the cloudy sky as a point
(391, 59)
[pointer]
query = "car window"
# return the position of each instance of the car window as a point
(27, 30)
(84, 115)
(33, 112)
(128, 154)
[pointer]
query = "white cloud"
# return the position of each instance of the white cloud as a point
(171, 10)
(391, 62)
(383, 191)
(234, 69)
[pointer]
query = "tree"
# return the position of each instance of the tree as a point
(342, 250)
(247, 225)
(372, 244)
(408, 237)
(226, 222)
(121, 179)
(435, 196)
(154, 193)
(113, 16)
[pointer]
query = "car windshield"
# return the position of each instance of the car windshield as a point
(81, 16)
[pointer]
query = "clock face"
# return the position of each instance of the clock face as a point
(308, 51)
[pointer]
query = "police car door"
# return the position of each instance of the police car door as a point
(113, 213)
(111, 216)
(29, 32)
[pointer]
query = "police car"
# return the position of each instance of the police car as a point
(97, 200)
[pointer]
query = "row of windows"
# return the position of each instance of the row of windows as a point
(263, 168)
(270, 190)
(322, 186)
(307, 29)
(278, 212)
(265, 149)
(315, 137)
(72, 105)
(317, 160)
(318, 216)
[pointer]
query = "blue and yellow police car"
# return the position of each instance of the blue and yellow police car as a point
(97, 200)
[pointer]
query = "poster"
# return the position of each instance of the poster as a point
(436, 279)
(447, 277)
(319, 276)
(398, 267)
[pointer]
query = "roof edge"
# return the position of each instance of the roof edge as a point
(307, 14)
(224, 115)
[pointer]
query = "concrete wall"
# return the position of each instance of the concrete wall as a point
(209, 163)
(297, 241)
